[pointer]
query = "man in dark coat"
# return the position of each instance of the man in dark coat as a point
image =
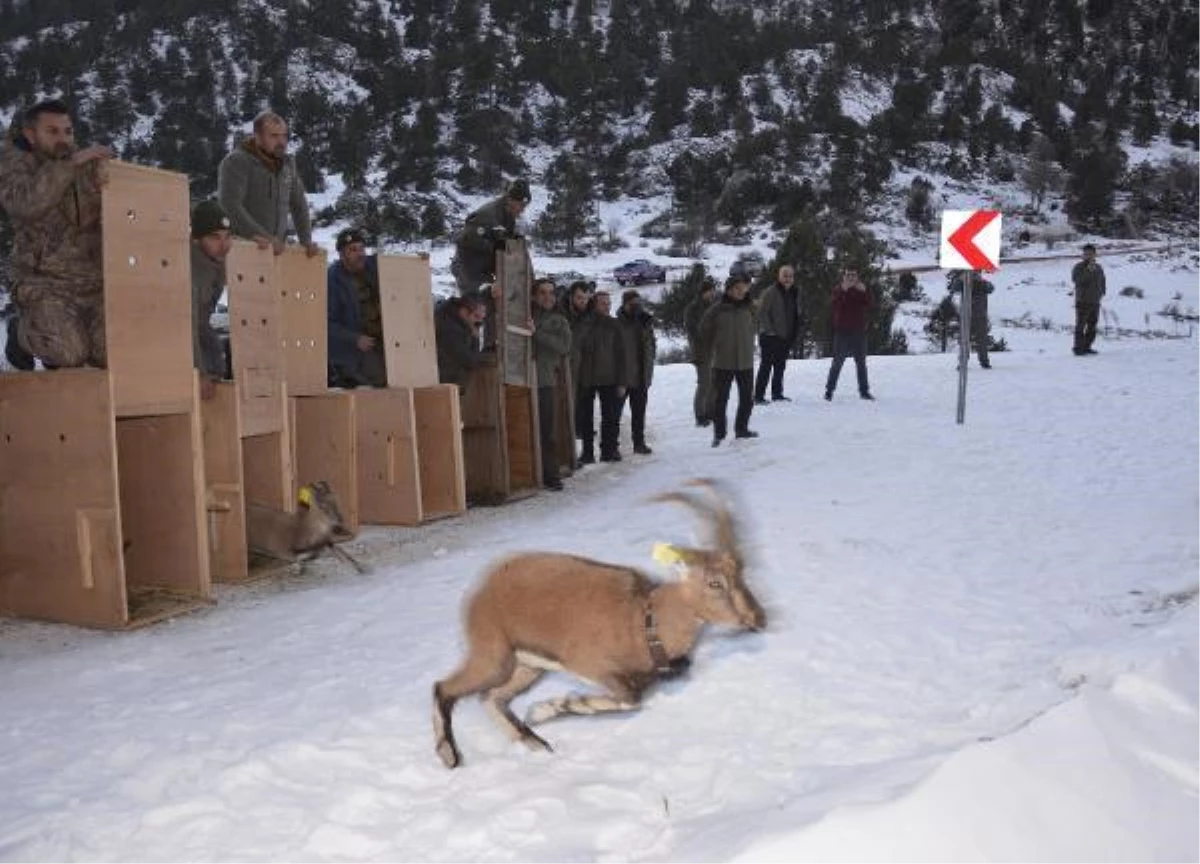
(727, 329)
(848, 307)
(778, 324)
(578, 308)
(484, 234)
(641, 350)
(601, 373)
(211, 242)
(355, 314)
(456, 326)
(980, 289)
(702, 399)
(551, 348)
(50, 190)
(1090, 288)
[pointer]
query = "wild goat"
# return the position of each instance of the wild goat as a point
(317, 524)
(604, 623)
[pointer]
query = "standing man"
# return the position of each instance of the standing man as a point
(848, 309)
(51, 192)
(258, 186)
(601, 373)
(355, 314)
(692, 315)
(640, 349)
(980, 289)
(778, 324)
(484, 234)
(579, 310)
(551, 347)
(1090, 288)
(728, 329)
(211, 242)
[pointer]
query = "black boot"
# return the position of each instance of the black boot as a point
(641, 448)
(588, 456)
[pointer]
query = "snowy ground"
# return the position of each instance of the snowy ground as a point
(983, 645)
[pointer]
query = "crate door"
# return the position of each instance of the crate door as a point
(60, 525)
(516, 342)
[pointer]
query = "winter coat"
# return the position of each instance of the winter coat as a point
(482, 235)
(980, 289)
(691, 325)
(258, 192)
(54, 207)
(551, 344)
(848, 309)
(727, 329)
(208, 282)
(602, 355)
(581, 325)
(343, 312)
(457, 344)
(779, 312)
(1089, 283)
(640, 347)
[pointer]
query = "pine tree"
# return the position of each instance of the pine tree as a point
(570, 214)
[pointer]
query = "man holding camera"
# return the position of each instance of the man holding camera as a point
(1088, 277)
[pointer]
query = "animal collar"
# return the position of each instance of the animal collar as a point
(658, 653)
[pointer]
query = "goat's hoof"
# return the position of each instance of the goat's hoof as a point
(534, 741)
(449, 754)
(540, 713)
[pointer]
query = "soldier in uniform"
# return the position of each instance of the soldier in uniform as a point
(51, 192)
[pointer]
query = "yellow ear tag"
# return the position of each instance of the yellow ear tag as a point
(666, 554)
(306, 496)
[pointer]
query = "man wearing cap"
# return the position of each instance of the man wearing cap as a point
(355, 314)
(483, 235)
(211, 242)
(259, 186)
(51, 191)
(640, 349)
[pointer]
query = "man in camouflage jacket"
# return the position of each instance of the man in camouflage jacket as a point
(51, 192)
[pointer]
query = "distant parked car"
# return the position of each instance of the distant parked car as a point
(751, 263)
(639, 271)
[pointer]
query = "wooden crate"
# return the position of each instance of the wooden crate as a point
(147, 289)
(300, 283)
(439, 451)
(389, 478)
(256, 337)
(406, 303)
(225, 496)
(325, 447)
(101, 517)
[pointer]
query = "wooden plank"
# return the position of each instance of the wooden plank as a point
(524, 447)
(515, 276)
(60, 527)
(564, 420)
(300, 283)
(389, 482)
(485, 449)
(406, 301)
(325, 447)
(147, 288)
(159, 468)
(267, 475)
(256, 339)
(440, 450)
(225, 500)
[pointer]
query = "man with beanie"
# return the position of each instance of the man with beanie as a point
(211, 242)
(259, 187)
(778, 324)
(355, 314)
(728, 329)
(640, 350)
(50, 190)
(484, 234)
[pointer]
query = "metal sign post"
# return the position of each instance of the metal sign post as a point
(964, 341)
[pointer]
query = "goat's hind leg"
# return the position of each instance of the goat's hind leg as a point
(620, 697)
(498, 699)
(483, 670)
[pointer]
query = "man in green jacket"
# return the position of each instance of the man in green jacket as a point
(778, 324)
(259, 187)
(641, 350)
(728, 329)
(551, 347)
(1090, 288)
(211, 242)
(601, 376)
(702, 399)
(50, 190)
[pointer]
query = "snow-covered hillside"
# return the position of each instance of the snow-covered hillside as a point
(982, 645)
